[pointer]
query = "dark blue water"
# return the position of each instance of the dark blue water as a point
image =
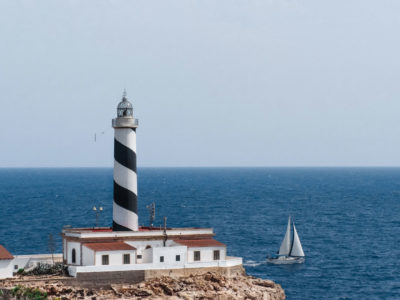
(348, 219)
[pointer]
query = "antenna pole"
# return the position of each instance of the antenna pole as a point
(165, 231)
(152, 212)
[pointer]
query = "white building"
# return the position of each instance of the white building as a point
(110, 253)
(30, 261)
(103, 250)
(6, 263)
(9, 264)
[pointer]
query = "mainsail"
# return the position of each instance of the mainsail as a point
(286, 243)
(297, 249)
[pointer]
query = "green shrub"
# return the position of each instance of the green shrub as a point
(16, 290)
(49, 269)
(36, 294)
(29, 293)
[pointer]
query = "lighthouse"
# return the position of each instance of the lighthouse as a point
(125, 212)
(102, 254)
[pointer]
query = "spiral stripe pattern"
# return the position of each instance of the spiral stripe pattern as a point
(125, 213)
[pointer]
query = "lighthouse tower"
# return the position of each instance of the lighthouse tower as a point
(125, 213)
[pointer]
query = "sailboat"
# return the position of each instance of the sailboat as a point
(291, 251)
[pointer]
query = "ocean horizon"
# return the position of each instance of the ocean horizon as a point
(347, 217)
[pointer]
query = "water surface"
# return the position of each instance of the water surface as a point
(348, 219)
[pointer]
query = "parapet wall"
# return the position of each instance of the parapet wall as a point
(97, 280)
(226, 271)
(105, 279)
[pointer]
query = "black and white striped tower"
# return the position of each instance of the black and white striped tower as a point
(125, 213)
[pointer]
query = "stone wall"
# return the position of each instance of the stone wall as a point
(106, 279)
(225, 271)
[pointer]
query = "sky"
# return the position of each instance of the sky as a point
(213, 83)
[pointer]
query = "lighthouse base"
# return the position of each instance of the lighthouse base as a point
(94, 255)
(107, 279)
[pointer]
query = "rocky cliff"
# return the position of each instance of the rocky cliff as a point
(206, 286)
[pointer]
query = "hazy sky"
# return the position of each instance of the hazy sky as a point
(213, 83)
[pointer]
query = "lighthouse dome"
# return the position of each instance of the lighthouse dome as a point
(124, 108)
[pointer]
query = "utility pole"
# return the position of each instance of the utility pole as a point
(165, 231)
(51, 246)
(97, 212)
(152, 212)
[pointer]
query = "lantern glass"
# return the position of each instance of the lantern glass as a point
(125, 108)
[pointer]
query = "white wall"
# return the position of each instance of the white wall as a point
(230, 262)
(64, 249)
(115, 257)
(152, 255)
(169, 254)
(87, 256)
(77, 247)
(30, 261)
(6, 268)
(147, 256)
(141, 245)
(22, 262)
(206, 253)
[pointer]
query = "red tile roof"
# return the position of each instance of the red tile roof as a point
(113, 246)
(200, 243)
(102, 230)
(4, 254)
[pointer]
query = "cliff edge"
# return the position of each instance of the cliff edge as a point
(205, 286)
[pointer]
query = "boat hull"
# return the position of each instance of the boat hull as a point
(286, 260)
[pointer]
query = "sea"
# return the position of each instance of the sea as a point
(348, 219)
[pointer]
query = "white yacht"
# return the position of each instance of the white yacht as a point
(291, 251)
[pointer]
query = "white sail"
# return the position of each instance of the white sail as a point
(297, 249)
(286, 243)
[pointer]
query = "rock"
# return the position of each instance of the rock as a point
(52, 291)
(215, 279)
(143, 293)
(205, 286)
(167, 290)
(185, 296)
(207, 276)
(266, 283)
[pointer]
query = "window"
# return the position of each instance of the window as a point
(178, 258)
(216, 254)
(161, 258)
(196, 256)
(73, 256)
(139, 257)
(127, 259)
(15, 267)
(104, 260)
